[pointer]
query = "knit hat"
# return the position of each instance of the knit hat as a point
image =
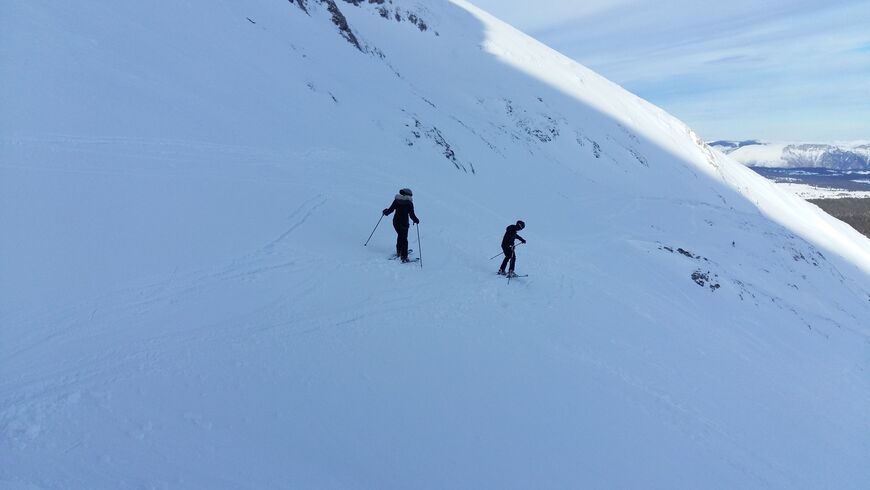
(406, 192)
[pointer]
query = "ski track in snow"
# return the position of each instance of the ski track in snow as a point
(308, 208)
(51, 393)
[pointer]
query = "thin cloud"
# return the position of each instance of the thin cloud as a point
(724, 67)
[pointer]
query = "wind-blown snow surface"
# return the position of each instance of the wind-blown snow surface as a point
(186, 301)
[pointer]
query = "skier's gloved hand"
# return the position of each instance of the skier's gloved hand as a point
(522, 240)
(386, 211)
(416, 222)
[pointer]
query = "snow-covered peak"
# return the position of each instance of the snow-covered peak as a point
(840, 156)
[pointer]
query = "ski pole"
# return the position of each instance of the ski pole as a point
(373, 231)
(419, 246)
(500, 253)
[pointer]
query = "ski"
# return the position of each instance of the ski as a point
(514, 276)
(395, 256)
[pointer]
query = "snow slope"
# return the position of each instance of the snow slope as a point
(186, 302)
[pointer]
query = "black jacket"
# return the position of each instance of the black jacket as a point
(510, 235)
(404, 208)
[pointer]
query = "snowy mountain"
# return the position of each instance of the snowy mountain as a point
(186, 301)
(854, 156)
(728, 146)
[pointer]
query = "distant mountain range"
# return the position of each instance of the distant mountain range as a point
(755, 153)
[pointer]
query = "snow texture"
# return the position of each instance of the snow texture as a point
(186, 301)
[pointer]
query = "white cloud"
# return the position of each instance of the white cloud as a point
(542, 14)
(775, 67)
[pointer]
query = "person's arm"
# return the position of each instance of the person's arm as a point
(414, 216)
(390, 209)
(511, 234)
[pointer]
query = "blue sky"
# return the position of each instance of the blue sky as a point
(774, 70)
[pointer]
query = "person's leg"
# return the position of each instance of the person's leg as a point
(507, 257)
(398, 240)
(402, 243)
(513, 260)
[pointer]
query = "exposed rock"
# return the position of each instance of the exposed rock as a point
(703, 279)
(340, 21)
(301, 4)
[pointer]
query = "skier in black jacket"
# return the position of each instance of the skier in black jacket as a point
(507, 246)
(403, 205)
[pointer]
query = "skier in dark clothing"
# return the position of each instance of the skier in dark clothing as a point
(403, 205)
(507, 246)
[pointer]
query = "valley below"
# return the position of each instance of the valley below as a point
(852, 210)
